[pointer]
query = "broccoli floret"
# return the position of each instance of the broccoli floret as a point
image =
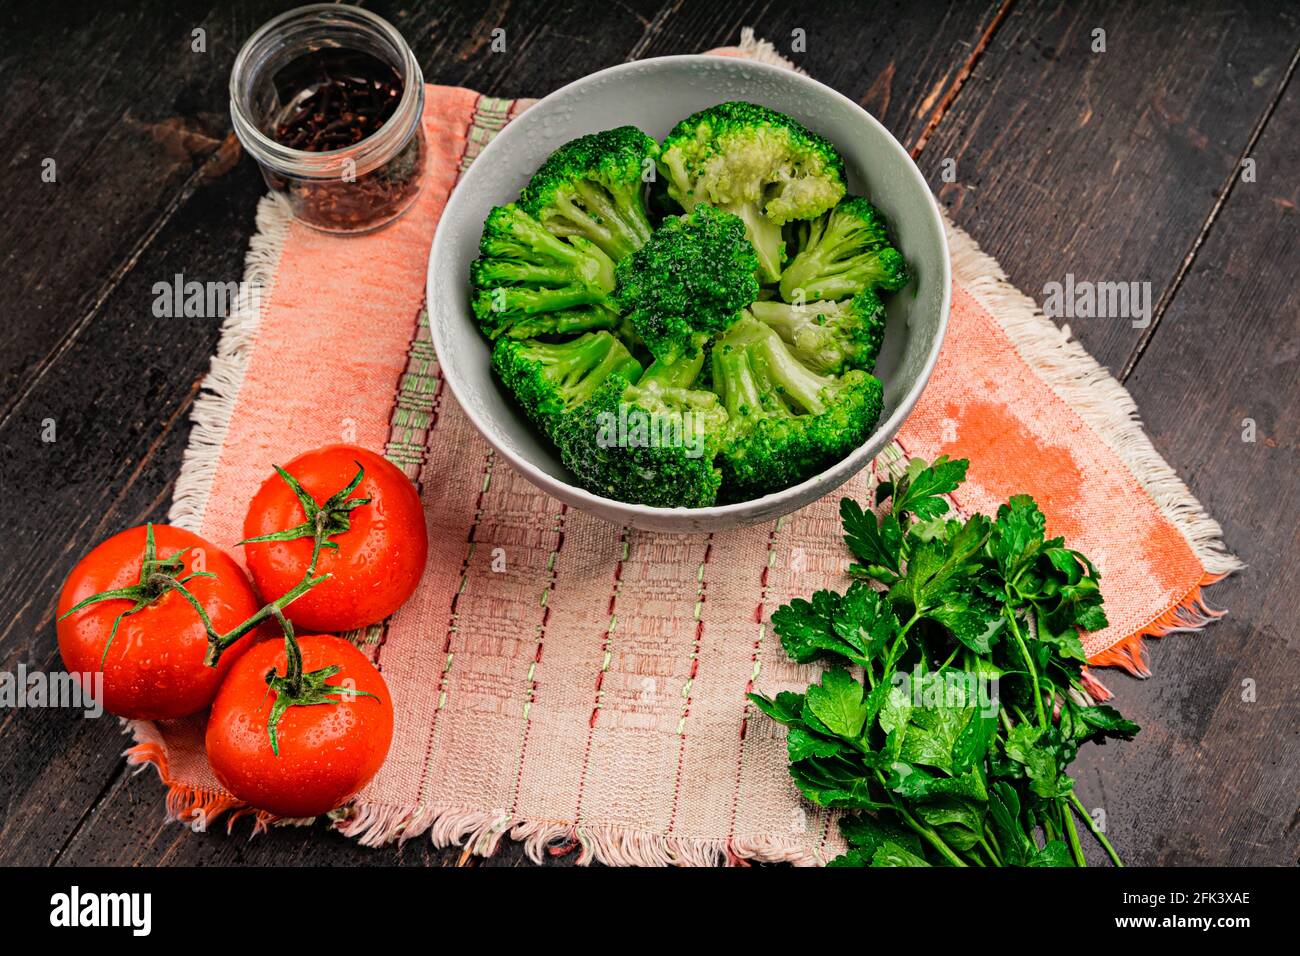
(652, 443)
(757, 163)
(829, 337)
(551, 378)
(688, 282)
(785, 422)
(843, 253)
(594, 187)
(528, 282)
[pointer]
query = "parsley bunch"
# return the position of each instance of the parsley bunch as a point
(954, 745)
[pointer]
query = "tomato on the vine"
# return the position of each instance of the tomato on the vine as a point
(142, 631)
(330, 741)
(357, 517)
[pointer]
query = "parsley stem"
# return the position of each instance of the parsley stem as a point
(997, 860)
(1006, 719)
(993, 839)
(1048, 829)
(1067, 818)
(1092, 828)
(1029, 665)
(895, 651)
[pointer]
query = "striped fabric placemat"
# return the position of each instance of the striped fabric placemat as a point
(581, 686)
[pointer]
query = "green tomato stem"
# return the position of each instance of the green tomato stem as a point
(292, 655)
(223, 641)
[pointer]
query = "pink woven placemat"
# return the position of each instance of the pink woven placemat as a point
(581, 686)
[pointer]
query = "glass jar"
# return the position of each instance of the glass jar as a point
(306, 92)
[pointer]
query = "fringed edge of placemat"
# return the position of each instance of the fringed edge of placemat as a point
(1106, 406)
(477, 832)
(480, 833)
(196, 807)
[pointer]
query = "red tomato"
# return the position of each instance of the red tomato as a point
(154, 669)
(327, 751)
(379, 558)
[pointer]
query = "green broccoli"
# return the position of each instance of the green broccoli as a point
(842, 253)
(688, 282)
(551, 378)
(785, 422)
(527, 282)
(757, 163)
(652, 443)
(594, 187)
(829, 337)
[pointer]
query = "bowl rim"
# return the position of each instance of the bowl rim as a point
(849, 465)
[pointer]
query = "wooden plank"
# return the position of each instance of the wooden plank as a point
(543, 46)
(1214, 775)
(133, 120)
(896, 59)
(131, 451)
(1105, 165)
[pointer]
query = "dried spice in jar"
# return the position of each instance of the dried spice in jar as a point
(343, 96)
(330, 101)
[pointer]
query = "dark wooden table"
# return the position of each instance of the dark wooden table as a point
(1124, 165)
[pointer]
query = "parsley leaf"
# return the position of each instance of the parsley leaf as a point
(941, 583)
(891, 854)
(784, 709)
(868, 834)
(834, 783)
(803, 744)
(805, 627)
(838, 702)
(1095, 723)
(1035, 749)
(942, 720)
(1017, 536)
(857, 626)
(878, 545)
(919, 491)
(865, 622)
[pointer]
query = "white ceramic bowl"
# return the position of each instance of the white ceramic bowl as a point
(654, 95)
